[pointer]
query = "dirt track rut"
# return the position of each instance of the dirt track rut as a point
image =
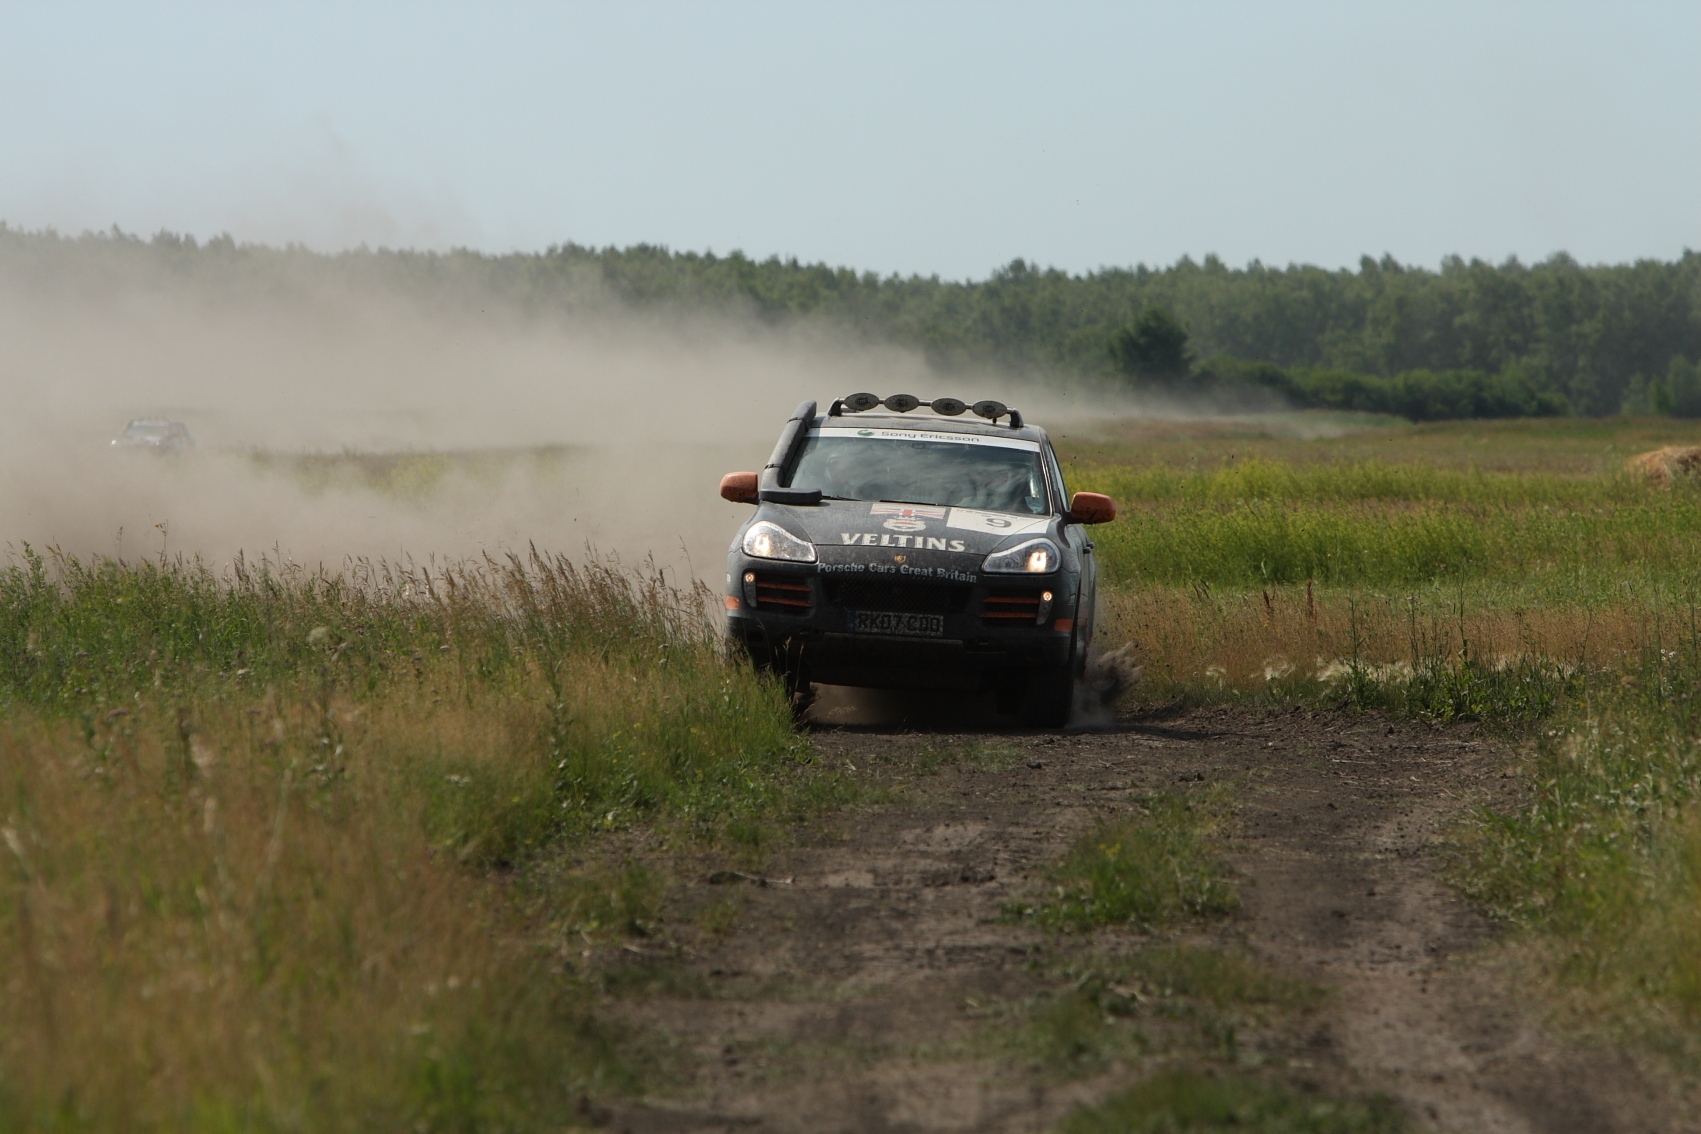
(850, 988)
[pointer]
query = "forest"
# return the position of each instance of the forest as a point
(1469, 339)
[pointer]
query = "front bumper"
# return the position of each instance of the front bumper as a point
(794, 618)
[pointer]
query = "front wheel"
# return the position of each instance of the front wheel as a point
(1049, 697)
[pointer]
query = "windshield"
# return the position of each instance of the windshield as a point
(951, 469)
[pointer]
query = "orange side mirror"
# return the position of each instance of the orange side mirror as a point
(740, 488)
(1092, 508)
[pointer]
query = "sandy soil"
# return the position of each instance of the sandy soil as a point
(860, 963)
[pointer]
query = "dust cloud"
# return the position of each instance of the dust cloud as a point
(604, 428)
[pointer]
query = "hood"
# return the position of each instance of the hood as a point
(919, 537)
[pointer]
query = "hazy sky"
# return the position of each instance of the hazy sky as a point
(911, 137)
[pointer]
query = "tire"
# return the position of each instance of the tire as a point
(1049, 697)
(1008, 693)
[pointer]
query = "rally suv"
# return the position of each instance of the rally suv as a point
(928, 552)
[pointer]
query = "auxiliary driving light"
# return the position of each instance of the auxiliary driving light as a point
(944, 407)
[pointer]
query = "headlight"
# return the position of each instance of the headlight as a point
(1036, 557)
(767, 540)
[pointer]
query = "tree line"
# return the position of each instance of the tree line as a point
(1469, 337)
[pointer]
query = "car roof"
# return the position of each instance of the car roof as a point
(933, 423)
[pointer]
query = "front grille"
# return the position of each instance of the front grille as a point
(775, 592)
(899, 596)
(1008, 607)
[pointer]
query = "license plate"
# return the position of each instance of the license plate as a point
(902, 625)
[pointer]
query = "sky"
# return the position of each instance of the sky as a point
(932, 138)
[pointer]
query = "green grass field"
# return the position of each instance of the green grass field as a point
(251, 826)
(1244, 562)
(293, 851)
(1512, 572)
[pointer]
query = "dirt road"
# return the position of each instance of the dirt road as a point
(862, 979)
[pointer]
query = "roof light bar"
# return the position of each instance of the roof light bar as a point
(904, 403)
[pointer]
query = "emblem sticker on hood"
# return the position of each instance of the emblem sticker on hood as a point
(907, 517)
(920, 543)
(995, 523)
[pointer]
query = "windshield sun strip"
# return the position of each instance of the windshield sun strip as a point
(977, 439)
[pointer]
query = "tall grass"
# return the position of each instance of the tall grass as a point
(249, 821)
(1258, 523)
(1443, 591)
(1377, 544)
(1287, 482)
(1395, 650)
(1557, 595)
(257, 944)
(1603, 862)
